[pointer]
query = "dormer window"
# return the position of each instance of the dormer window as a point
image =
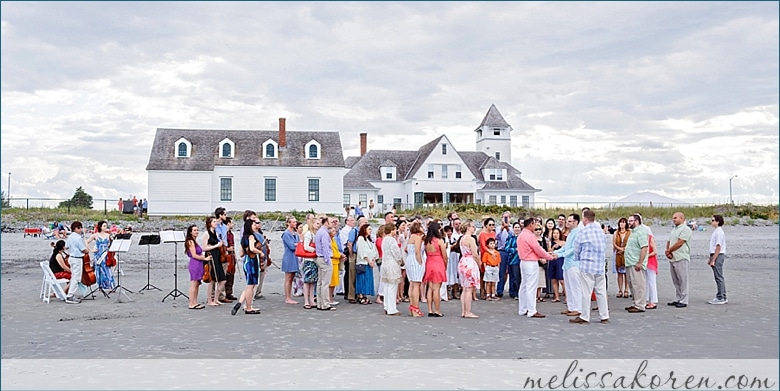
(496, 131)
(494, 174)
(312, 150)
(183, 148)
(227, 148)
(270, 149)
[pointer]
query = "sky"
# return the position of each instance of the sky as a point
(605, 99)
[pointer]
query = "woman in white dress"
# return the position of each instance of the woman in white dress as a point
(415, 267)
(392, 259)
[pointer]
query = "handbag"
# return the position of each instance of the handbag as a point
(302, 253)
(360, 268)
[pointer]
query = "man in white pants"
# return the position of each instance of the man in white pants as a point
(589, 248)
(571, 269)
(530, 252)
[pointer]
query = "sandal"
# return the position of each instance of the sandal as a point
(556, 300)
(253, 311)
(620, 295)
(470, 316)
(367, 302)
(307, 307)
(198, 306)
(626, 295)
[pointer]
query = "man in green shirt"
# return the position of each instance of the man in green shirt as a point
(636, 263)
(678, 251)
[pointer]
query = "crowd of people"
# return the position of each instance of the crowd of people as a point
(423, 261)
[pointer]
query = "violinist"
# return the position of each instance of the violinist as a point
(102, 239)
(77, 248)
(58, 263)
(225, 289)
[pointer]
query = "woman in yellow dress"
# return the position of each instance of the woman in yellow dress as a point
(335, 260)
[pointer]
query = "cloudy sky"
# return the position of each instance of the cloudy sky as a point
(606, 99)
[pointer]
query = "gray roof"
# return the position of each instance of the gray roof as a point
(478, 160)
(493, 119)
(204, 155)
(388, 163)
(367, 168)
(350, 161)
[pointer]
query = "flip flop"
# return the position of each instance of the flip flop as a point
(235, 308)
(253, 311)
(307, 307)
(198, 306)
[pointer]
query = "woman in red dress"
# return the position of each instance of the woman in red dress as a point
(435, 268)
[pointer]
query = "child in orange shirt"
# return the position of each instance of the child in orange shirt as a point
(491, 259)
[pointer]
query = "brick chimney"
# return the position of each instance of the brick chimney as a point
(282, 133)
(363, 143)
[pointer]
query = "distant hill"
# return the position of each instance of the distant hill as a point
(647, 198)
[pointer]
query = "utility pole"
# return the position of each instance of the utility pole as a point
(731, 199)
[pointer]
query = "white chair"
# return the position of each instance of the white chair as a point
(51, 284)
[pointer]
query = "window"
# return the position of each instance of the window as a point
(430, 171)
(312, 150)
(314, 189)
(225, 189)
(513, 201)
(492, 200)
(503, 200)
(397, 203)
(346, 200)
(499, 175)
(526, 201)
(362, 198)
(457, 172)
(444, 173)
(444, 149)
(492, 176)
(498, 155)
(389, 175)
(226, 148)
(270, 147)
(183, 148)
(380, 199)
(479, 133)
(270, 189)
(496, 131)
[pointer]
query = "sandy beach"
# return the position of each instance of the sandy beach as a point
(147, 328)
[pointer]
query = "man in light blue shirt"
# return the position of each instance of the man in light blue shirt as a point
(589, 248)
(324, 266)
(77, 248)
(571, 270)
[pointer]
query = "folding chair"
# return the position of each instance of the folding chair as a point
(51, 284)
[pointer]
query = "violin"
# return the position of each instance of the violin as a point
(110, 259)
(88, 273)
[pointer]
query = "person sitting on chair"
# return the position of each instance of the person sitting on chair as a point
(59, 230)
(58, 263)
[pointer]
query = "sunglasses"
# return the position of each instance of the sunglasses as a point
(538, 230)
(491, 225)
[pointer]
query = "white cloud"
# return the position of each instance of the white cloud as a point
(606, 99)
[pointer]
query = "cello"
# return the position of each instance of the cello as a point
(88, 273)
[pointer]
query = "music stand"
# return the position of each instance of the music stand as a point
(120, 245)
(174, 237)
(148, 240)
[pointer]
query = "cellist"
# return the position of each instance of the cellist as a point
(77, 248)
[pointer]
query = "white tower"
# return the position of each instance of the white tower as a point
(493, 136)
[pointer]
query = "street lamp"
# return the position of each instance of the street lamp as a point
(8, 196)
(731, 199)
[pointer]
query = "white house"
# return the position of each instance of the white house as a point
(438, 174)
(195, 171)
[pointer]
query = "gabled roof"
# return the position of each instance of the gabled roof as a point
(204, 155)
(476, 161)
(350, 161)
(493, 119)
(422, 155)
(388, 163)
(367, 167)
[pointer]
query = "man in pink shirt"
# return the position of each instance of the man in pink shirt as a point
(529, 251)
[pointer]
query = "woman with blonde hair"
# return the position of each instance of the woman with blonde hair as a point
(468, 268)
(415, 267)
(367, 256)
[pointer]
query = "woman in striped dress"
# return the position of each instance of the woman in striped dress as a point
(415, 267)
